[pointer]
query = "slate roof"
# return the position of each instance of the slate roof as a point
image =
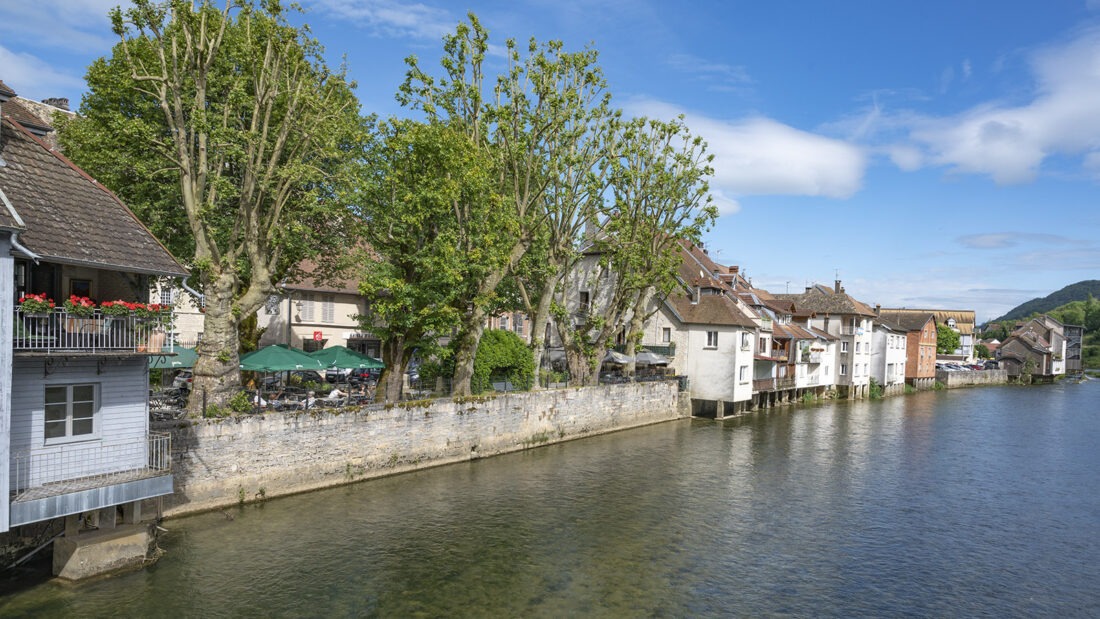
(70, 218)
(308, 280)
(964, 319)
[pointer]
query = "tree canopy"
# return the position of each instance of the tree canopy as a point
(232, 139)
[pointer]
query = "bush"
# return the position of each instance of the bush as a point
(502, 354)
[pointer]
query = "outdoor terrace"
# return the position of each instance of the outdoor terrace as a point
(93, 332)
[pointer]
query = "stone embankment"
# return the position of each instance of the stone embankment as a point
(977, 377)
(221, 462)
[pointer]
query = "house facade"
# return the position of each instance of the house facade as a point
(919, 327)
(889, 354)
(1036, 348)
(75, 440)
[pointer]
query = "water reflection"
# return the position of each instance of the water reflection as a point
(970, 502)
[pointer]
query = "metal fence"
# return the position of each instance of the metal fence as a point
(71, 468)
(61, 331)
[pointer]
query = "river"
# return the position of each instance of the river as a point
(972, 502)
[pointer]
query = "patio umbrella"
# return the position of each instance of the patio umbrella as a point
(613, 356)
(279, 358)
(185, 358)
(345, 358)
(648, 357)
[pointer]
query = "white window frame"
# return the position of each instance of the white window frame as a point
(746, 340)
(328, 308)
(69, 419)
(843, 369)
(666, 334)
(743, 374)
(844, 347)
(712, 339)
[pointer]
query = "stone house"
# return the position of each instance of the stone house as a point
(75, 440)
(1036, 347)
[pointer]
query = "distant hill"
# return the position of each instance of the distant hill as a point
(1074, 292)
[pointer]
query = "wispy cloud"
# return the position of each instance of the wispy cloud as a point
(1010, 142)
(75, 25)
(1004, 240)
(759, 156)
(715, 75)
(393, 18)
(33, 78)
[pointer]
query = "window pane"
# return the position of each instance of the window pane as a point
(55, 429)
(83, 393)
(55, 395)
(82, 426)
(55, 412)
(83, 410)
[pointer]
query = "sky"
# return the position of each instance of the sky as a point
(931, 154)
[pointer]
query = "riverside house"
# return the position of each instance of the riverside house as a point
(919, 327)
(75, 441)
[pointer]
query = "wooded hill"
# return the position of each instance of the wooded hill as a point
(1081, 291)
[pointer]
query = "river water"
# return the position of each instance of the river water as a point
(973, 502)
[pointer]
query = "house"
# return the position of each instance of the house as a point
(919, 327)
(837, 313)
(888, 357)
(1036, 348)
(75, 441)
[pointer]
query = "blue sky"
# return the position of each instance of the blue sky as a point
(932, 154)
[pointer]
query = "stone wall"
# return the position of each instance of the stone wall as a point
(219, 462)
(977, 377)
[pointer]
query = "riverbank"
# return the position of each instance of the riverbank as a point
(222, 462)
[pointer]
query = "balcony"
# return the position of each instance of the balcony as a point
(773, 384)
(76, 478)
(62, 332)
(809, 357)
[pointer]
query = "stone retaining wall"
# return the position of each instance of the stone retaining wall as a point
(219, 462)
(976, 377)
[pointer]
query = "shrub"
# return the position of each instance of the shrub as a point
(502, 354)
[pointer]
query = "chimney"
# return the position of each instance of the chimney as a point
(61, 103)
(837, 288)
(695, 294)
(878, 309)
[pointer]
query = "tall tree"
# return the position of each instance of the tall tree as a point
(658, 176)
(246, 136)
(434, 226)
(947, 340)
(528, 122)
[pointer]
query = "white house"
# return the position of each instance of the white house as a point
(888, 354)
(75, 440)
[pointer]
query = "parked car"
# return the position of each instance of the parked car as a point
(364, 375)
(337, 375)
(183, 380)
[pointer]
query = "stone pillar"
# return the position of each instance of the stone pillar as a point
(131, 512)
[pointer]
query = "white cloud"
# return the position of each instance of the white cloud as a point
(393, 18)
(1003, 240)
(34, 78)
(75, 25)
(761, 156)
(1011, 142)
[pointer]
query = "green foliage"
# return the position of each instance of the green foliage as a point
(240, 402)
(1074, 292)
(947, 340)
(875, 391)
(982, 351)
(502, 355)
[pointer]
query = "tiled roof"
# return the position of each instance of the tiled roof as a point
(4, 90)
(964, 319)
(905, 319)
(15, 110)
(712, 309)
(824, 300)
(70, 218)
(308, 280)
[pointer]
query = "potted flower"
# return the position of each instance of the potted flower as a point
(117, 308)
(35, 304)
(79, 306)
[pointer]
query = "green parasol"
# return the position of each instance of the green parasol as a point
(185, 358)
(345, 358)
(279, 358)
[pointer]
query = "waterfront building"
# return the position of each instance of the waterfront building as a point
(1037, 347)
(919, 327)
(888, 357)
(75, 440)
(849, 320)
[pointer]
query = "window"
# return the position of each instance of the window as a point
(763, 345)
(743, 374)
(504, 323)
(307, 308)
(519, 324)
(712, 339)
(857, 346)
(746, 341)
(844, 347)
(583, 308)
(843, 369)
(271, 306)
(666, 334)
(328, 308)
(167, 295)
(865, 370)
(70, 411)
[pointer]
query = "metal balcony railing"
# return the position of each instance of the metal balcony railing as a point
(85, 466)
(60, 331)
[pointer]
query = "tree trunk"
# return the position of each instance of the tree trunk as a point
(539, 321)
(634, 329)
(217, 372)
(473, 324)
(393, 377)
